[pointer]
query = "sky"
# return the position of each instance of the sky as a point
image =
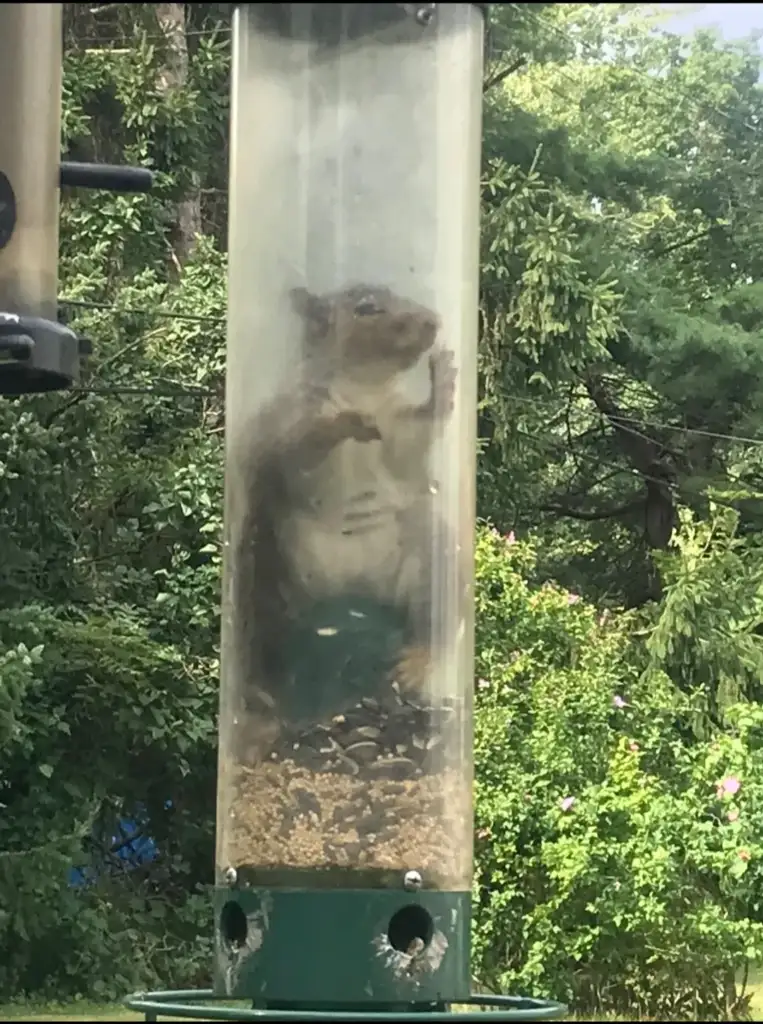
(733, 20)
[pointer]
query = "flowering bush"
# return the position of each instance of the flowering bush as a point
(618, 861)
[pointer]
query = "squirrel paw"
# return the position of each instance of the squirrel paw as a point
(411, 672)
(357, 427)
(443, 374)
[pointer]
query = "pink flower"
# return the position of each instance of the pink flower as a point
(510, 538)
(633, 747)
(733, 814)
(573, 598)
(618, 701)
(728, 786)
(568, 803)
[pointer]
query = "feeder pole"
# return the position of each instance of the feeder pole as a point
(37, 353)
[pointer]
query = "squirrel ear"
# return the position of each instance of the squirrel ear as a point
(311, 308)
(305, 303)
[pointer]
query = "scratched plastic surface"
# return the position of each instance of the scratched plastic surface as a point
(347, 637)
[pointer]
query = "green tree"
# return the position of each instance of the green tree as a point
(621, 339)
(618, 858)
(111, 533)
(619, 400)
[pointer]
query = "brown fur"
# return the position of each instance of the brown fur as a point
(337, 481)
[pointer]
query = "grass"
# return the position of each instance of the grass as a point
(756, 987)
(72, 1011)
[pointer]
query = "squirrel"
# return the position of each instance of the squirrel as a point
(339, 504)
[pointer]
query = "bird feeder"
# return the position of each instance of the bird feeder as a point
(36, 352)
(344, 829)
(344, 813)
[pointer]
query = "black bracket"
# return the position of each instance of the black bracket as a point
(109, 177)
(36, 355)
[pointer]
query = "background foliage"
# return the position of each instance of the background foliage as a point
(618, 729)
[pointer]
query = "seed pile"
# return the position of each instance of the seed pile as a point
(370, 789)
(397, 740)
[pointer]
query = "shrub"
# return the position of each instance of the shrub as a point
(617, 861)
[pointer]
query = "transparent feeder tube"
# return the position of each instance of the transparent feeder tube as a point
(30, 142)
(347, 638)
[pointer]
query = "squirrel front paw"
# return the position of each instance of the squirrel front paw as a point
(443, 376)
(411, 673)
(357, 427)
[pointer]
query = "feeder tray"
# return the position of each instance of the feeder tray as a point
(203, 1004)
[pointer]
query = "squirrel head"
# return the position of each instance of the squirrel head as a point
(365, 327)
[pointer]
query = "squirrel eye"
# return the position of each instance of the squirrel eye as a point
(366, 307)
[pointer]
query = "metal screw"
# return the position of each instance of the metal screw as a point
(412, 881)
(425, 13)
(230, 876)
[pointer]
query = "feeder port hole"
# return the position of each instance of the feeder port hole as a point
(233, 925)
(410, 929)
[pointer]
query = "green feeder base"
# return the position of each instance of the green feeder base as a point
(203, 1004)
(341, 949)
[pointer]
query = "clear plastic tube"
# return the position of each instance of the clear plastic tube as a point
(346, 697)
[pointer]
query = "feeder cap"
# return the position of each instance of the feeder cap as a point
(483, 7)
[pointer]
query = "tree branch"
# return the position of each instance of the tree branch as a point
(684, 241)
(503, 74)
(593, 516)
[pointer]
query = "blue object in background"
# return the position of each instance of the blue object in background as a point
(130, 848)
